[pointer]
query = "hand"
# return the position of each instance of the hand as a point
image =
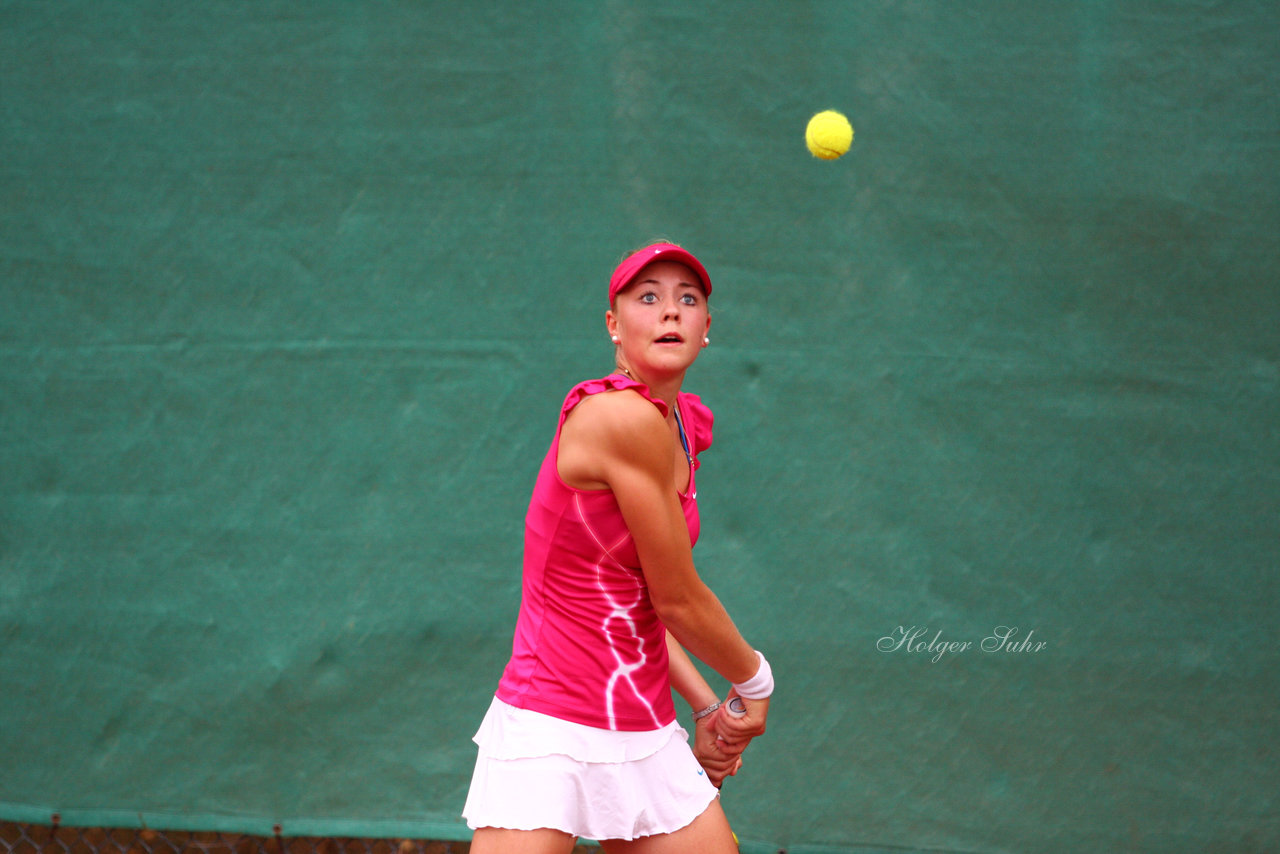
(711, 753)
(736, 733)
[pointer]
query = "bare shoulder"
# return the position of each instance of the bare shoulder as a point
(624, 414)
(616, 419)
(608, 429)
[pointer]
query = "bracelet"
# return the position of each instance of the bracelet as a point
(697, 716)
(760, 686)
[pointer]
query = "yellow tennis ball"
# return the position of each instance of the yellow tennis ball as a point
(828, 135)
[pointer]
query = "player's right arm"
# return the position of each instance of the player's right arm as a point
(621, 441)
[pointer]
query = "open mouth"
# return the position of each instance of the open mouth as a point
(670, 339)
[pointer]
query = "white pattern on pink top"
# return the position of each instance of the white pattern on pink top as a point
(618, 611)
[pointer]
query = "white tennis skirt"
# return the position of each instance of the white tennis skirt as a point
(522, 785)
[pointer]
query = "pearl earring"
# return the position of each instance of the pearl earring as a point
(613, 338)
(706, 341)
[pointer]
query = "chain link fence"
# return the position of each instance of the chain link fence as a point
(16, 838)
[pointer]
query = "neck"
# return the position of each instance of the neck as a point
(665, 388)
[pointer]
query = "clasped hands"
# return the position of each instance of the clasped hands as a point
(719, 739)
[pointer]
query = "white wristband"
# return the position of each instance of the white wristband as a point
(760, 686)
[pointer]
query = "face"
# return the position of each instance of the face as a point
(661, 318)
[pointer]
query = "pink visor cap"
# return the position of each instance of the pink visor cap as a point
(637, 261)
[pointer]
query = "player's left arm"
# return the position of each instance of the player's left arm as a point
(709, 750)
(686, 679)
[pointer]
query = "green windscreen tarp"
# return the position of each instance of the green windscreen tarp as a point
(290, 294)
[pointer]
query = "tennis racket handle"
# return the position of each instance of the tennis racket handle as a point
(736, 708)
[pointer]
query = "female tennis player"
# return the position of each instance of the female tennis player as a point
(582, 737)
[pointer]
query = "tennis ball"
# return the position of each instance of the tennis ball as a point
(828, 135)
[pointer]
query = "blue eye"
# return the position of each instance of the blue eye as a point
(648, 297)
(690, 299)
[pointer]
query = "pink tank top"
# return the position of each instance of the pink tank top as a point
(589, 647)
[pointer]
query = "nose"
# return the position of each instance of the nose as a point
(671, 309)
